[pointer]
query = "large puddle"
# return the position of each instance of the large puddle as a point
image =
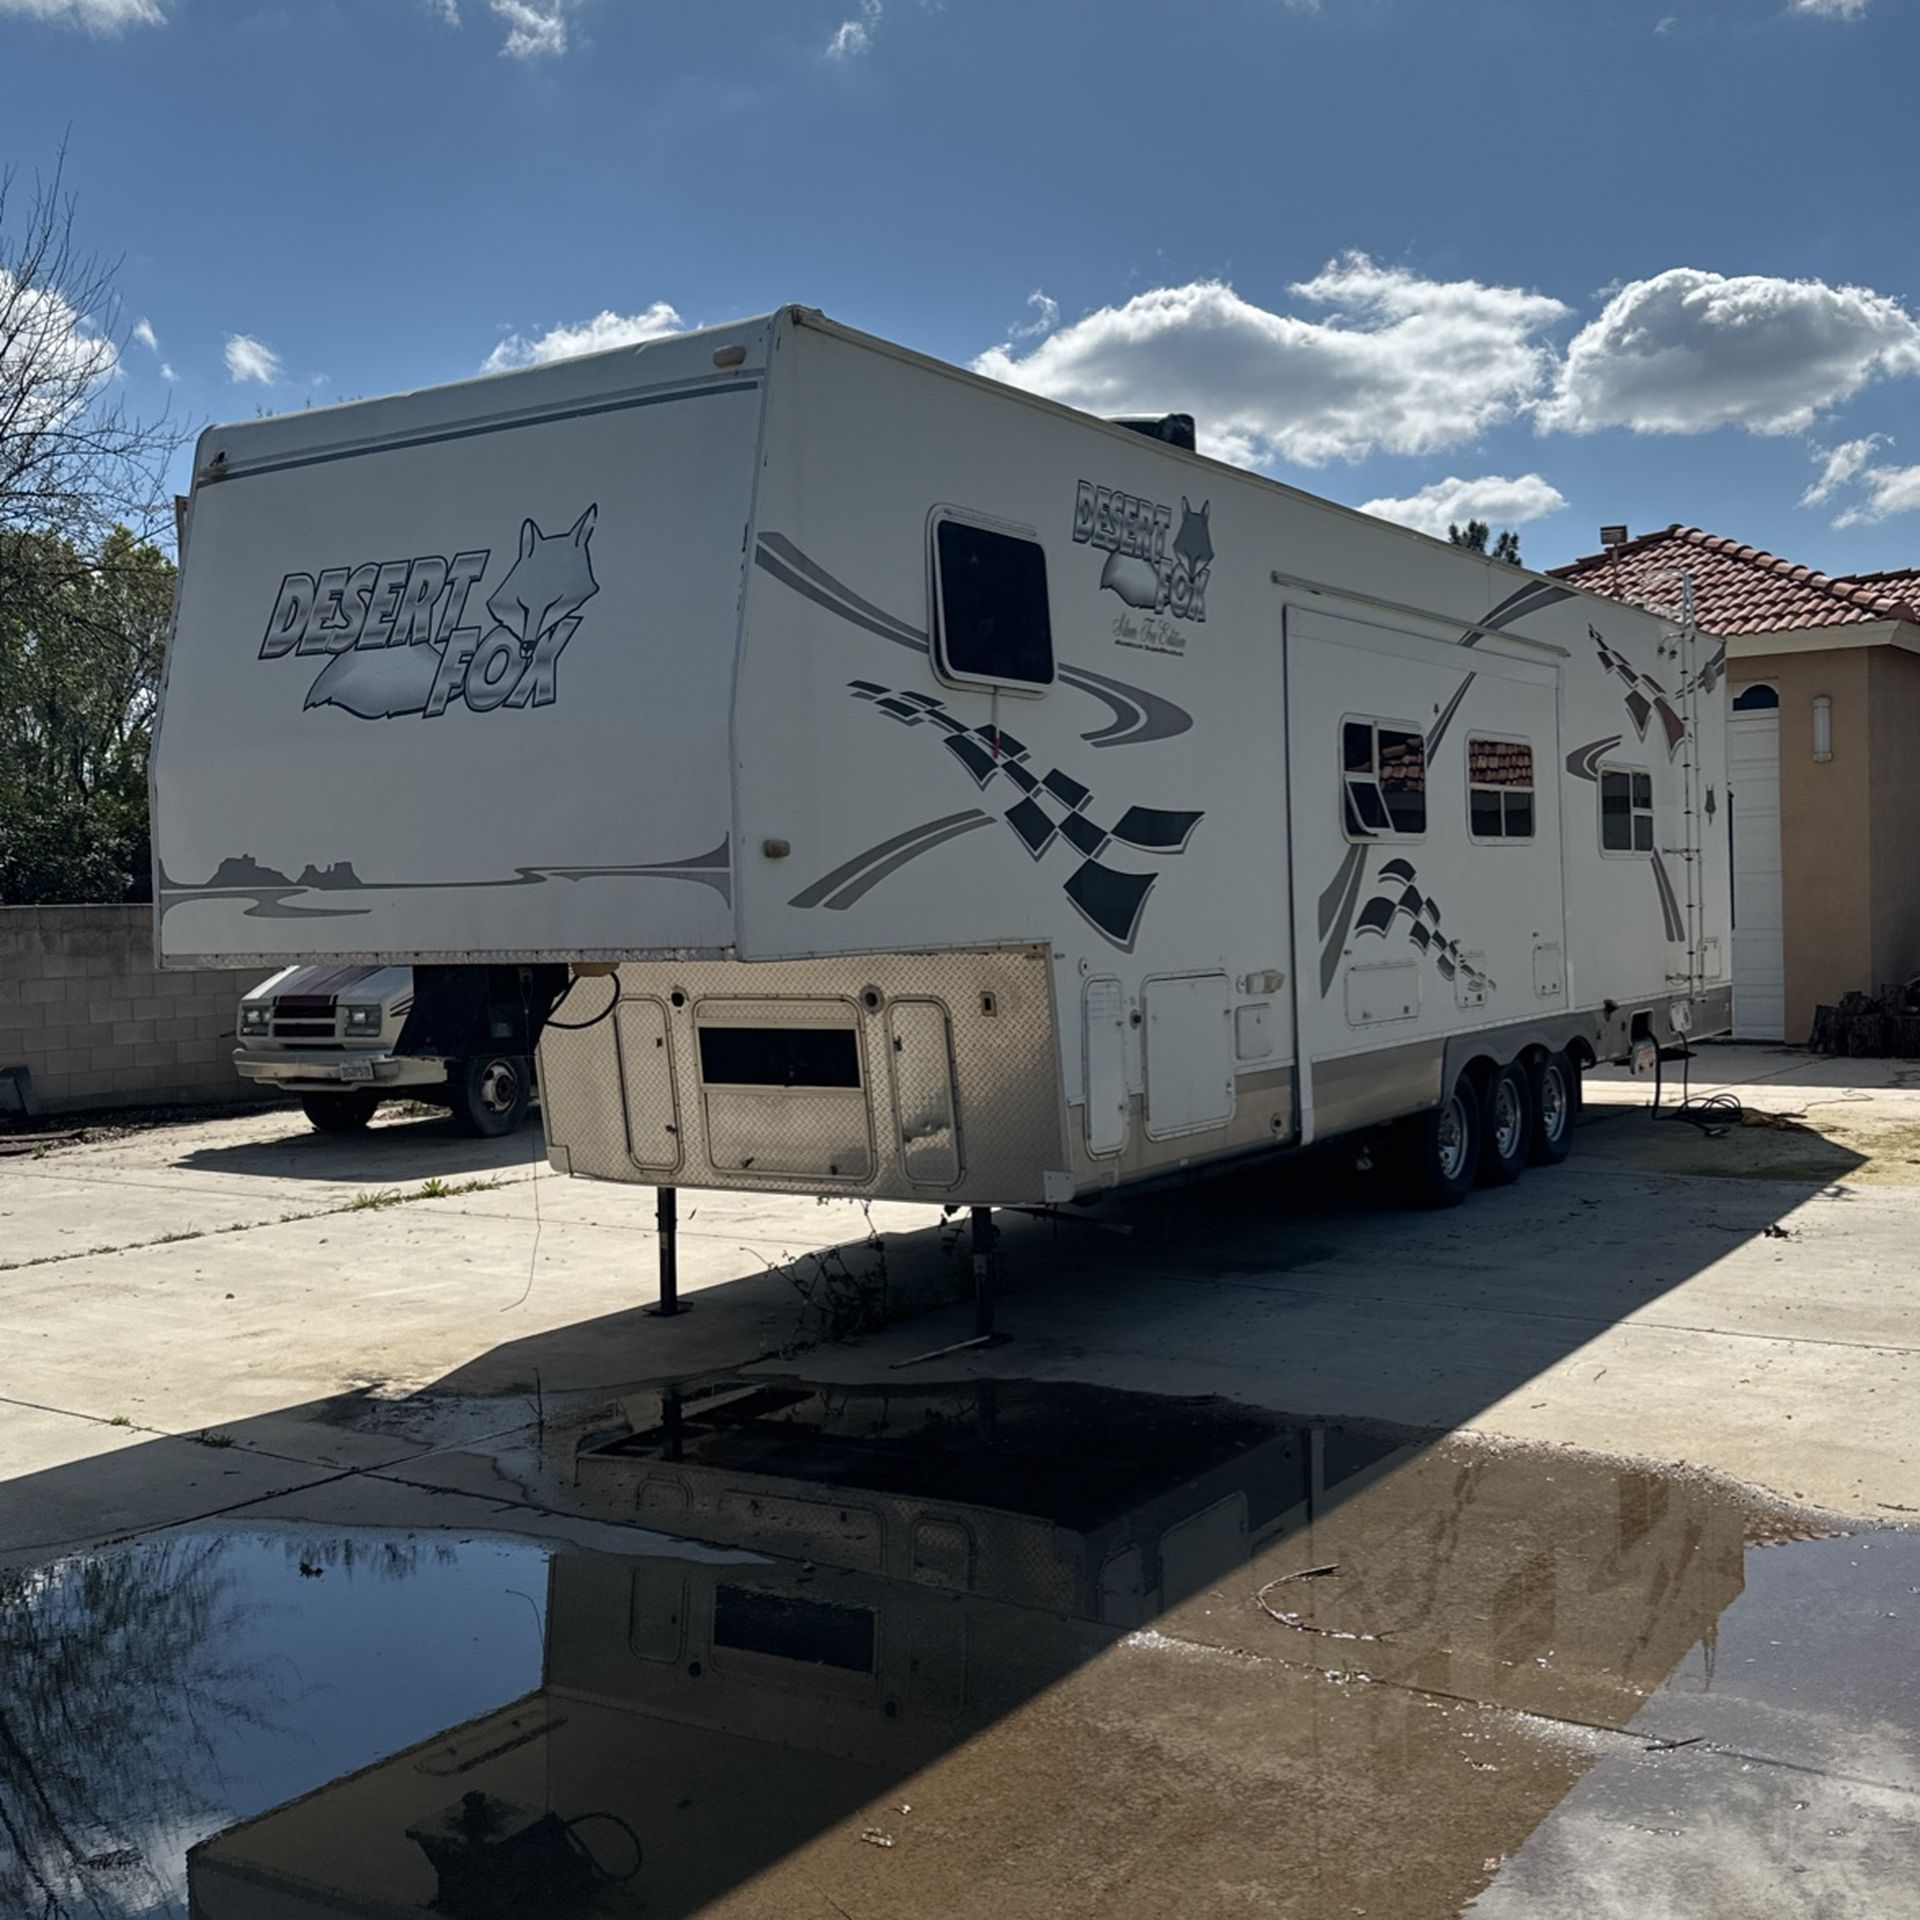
(999, 1649)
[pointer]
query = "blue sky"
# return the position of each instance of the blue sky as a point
(1655, 261)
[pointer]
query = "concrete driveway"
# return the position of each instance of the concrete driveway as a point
(191, 1315)
(323, 1418)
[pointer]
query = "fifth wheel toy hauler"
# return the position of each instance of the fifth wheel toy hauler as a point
(936, 793)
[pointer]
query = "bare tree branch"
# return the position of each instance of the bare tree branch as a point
(73, 459)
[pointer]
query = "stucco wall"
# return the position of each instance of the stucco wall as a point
(83, 1008)
(1894, 679)
(1829, 899)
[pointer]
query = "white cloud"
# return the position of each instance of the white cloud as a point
(536, 29)
(1046, 316)
(251, 359)
(1688, 350)
(1452, 503)
(1402, 365)
(447, 12)
(143, 332)
(606, 329)
(1840, 466)
(167, 373)
(1832, 9)
(855, 34)
(53, 358)
(92, 16)
(1886, 491)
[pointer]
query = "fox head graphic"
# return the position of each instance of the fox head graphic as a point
(552, 578)
(1194, 542)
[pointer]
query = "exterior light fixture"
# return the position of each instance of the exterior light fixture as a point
(1822, 727)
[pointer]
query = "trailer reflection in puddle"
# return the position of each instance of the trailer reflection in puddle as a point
(985, 1649)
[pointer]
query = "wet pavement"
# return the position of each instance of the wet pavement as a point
(995, 1648)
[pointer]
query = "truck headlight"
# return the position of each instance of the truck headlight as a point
(363, 1020)
(255, 1019)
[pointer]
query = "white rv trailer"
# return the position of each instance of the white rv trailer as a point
(941, 794)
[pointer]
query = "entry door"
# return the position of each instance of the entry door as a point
(1759, 946)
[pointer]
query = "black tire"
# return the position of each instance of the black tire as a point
(1441, 1149)
(1506, 1136)
(488, 1094)
(1556, 1109)
(339, 1112)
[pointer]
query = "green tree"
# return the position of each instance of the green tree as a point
(1474, 536)
(82, 634)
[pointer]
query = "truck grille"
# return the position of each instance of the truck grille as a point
(304, 1017)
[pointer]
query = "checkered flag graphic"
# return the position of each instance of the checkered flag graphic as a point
(1399, 895)
(1052, 809)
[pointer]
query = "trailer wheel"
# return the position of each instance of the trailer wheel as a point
(1556, 1108)
(489, 1094)
(1441, 1149)
(1507, 1139)
(339, 1112)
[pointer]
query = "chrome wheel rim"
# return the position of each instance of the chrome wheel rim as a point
(1453, 1138)
(1506, 1119)
(1553, 1104)
(499, 1087)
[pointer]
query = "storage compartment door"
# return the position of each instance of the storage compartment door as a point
(1189, 1054)
(921, 1051)
(1104, 1053)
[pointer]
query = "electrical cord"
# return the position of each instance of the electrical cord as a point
(1715, 1114)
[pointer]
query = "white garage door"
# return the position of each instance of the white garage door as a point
(1759, 958)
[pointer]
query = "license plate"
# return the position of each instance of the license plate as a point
(355, 1070)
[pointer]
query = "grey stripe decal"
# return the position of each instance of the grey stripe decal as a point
(874, 875)
(1583, 762)
(1669, 906)
(783, 549)
(1535, 597)
(1138, 716)
(504, 425)
(1440, 726)
(1330, 955)
(801, 584)
(1330, 899)
(814, 894)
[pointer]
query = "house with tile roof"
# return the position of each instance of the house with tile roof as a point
(1823, 762)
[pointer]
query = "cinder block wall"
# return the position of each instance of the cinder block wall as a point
(84, 1009)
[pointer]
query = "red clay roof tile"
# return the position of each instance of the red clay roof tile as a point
(1740, 589)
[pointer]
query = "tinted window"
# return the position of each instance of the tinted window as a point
(994, 622)
(1616, 813)
(779, 1057)
(1500, 789)
(1403, 779)
(1626, 811)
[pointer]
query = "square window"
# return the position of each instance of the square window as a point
(994, 623)
(1384, 779)
(1499, 789)
(1403, 779)
(1626, 810)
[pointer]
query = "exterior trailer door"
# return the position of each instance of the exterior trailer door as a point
(1428, 901)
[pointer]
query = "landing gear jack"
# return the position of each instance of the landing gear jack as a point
(986, 1268)
(667, 1218)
